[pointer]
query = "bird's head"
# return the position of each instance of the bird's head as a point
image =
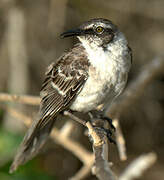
(99, 32)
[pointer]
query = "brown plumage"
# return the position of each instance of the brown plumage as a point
(63, 82)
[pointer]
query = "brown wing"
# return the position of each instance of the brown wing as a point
(60, 87)
(63, 82)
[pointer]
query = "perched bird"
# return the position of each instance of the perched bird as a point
(89, 75)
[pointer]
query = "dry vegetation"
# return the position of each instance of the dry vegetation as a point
(29, 41)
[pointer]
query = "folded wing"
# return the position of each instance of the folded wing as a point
(63, 82)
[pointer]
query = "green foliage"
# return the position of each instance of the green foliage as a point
(1, 113)
(8, 143)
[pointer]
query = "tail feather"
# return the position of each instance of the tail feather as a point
(34, 139)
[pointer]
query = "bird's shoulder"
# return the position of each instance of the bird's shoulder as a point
(63, 81)
(73, 62)
(68, 71)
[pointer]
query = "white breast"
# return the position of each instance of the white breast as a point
(104, 82)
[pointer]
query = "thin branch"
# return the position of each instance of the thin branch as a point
(83, 172)
(16, 114)
(138, 166)
(61, 138)
(120, 141)
(72, 146)
(135, 90)
(67, 129)
(23, 99)
(67, 113)
(97, 141)
(101, 166)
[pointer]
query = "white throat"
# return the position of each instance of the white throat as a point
(106, 61)
(105, 74)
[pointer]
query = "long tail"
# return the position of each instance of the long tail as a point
(32, 143)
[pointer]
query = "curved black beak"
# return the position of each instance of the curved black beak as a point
(74, 32)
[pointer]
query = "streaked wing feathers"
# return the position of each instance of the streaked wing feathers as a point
(63, 82)
(58, 90)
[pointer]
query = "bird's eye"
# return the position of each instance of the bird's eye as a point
(99, 29)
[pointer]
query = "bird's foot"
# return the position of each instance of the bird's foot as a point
(103, 132)
(106, 132)
(97, 119)
(109, 120)
(100, 115)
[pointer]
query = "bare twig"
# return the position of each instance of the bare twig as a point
(97, 141)
(16, 114)
(88, 160)
(23, 99)
(78, 150)
(72, 146)
(61, 137)
(120, 141)
(83, 172)
(132, 93)
(138, 166)
(67, 128)
(67, 113)
(101, 166)
(57, 136)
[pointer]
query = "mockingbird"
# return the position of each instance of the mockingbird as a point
(91, 74)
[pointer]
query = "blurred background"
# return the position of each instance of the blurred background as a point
(30, 41)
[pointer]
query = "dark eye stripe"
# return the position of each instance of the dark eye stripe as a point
(89, 31)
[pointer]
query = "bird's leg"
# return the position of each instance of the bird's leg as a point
(97, 119)
(100, 115)
(103, 131)
(109, 120)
